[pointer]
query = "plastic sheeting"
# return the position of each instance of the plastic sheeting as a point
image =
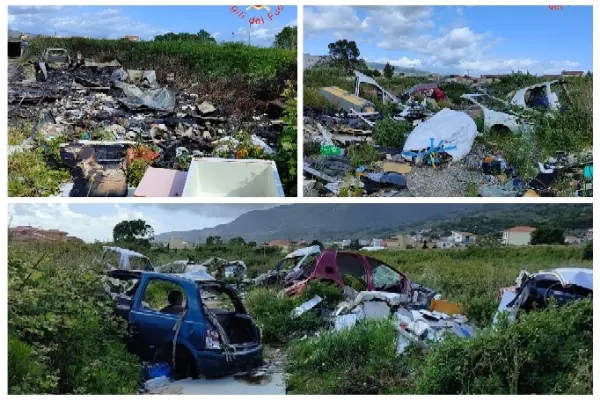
(454, 129)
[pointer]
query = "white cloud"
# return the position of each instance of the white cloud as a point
(60, 216)
(409, 33)
(108, 23)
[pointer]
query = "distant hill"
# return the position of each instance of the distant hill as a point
(13, 34)
(353, 221)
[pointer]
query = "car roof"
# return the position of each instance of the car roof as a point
(583, 277)
(196, 276)
(123, 251)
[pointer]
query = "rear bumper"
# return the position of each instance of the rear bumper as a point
(214, 364)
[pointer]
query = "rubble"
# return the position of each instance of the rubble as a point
(439, 156)
(72, 99)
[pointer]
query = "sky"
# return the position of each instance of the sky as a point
(92, 222)
(148, 21)
(459, 39)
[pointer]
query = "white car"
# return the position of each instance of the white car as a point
(497, 115)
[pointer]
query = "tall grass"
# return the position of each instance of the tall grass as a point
(185, 58)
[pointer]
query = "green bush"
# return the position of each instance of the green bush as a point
(390, 133)
(57, 305)
(588, 251)
(454, 91)
(313, 99)
(287, 151)
(27, 371)
(330, 292)
(364, 154)
(273, 314)
(359, 360)
(539, 354)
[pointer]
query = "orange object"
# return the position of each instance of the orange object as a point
(446, 307)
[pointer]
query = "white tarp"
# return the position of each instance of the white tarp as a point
(453, 128)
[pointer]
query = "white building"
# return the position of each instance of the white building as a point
(517, 236)
(177, 244)
(462, 238)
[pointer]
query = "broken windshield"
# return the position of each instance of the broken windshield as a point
(383, 276)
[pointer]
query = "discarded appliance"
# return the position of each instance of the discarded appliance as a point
(161, 182)
(122, 259)
(453, 133)
(343, 100)
(218, 177)
(204, 337)
(536, 290)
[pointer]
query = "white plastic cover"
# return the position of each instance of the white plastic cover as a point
(583, 277)
(454, 128)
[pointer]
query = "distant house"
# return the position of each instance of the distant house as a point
(345, 243)
(553, 77)
(31, 233)
(310, 60)
(589, 235)
(284, 245)
(364, 242)
(398, 242)
(445, 243)
(177, 244)
(517, 236)
(132, 38)
(462, 238)
(572, 73)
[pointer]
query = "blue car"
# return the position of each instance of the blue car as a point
(196, 324)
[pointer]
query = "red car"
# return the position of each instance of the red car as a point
(341, 267)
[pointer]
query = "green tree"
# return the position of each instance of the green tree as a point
(548, 235)
(214, 241)
(317, 243)
(344, 53)
(133, 232)
(588, 251)
(251, 244)
(376, 73)
(202, 36)
(388, 70)
(237, 241)
(354, 245)
(287, 38)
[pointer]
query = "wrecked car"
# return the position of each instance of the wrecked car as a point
(540, 96)
(123, 259)
(289, 267)
(360, 272)
(200, 329)
(534, 291)
(497, 115)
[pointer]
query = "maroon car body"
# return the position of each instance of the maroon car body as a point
(333, 265)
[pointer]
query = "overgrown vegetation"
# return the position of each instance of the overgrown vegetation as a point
(287, 152)
(33, 173)
(544, 352)
(363, 154)
(186, 58)
(391, 133)
(63, 334)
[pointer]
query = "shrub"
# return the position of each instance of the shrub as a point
(358, 360)
(287, 152)
(313, 99)
(454, 91)
(330, 292)
(57, 305)
(27, 372)
(390, 133)
(541, 353)
(273, 314)
(588, 251)
(363, 154)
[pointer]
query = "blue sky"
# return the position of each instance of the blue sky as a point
(147, 21)
(459, 39)
(92, 222)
